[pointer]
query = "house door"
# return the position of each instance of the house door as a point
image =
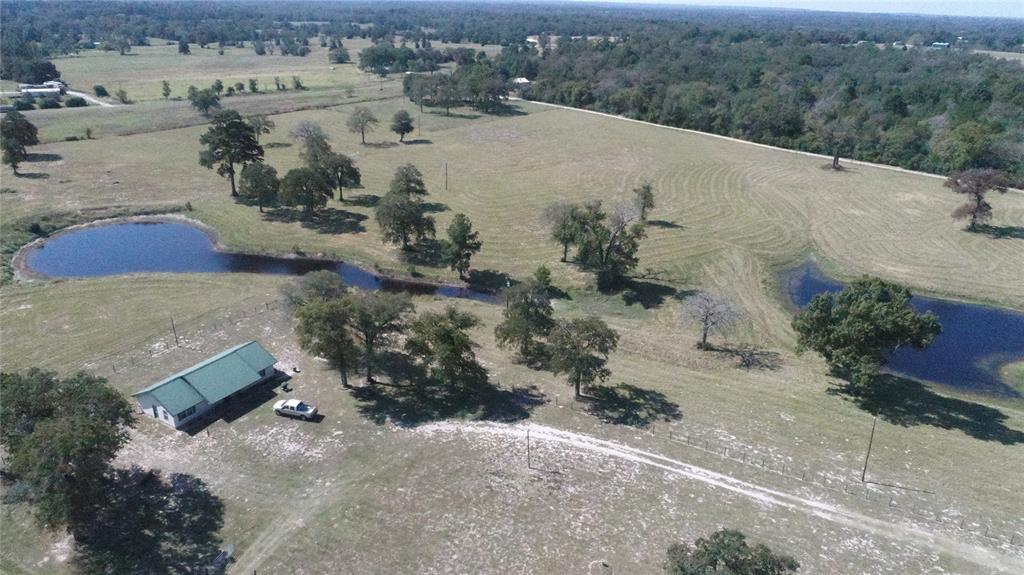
(155, 414)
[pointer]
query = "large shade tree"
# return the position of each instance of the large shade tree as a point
(230, 142)
(321, 285)
(608, 242)
(324, 330)
(579, 348)
(60, 436)
(16, 134)
(527, 318)
(442, 342)
(341, 171)
(376, 317)
(305, 187)
(857, 330)
(259, 182)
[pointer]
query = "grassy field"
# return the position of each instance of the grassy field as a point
(1013, 375)
(374, 496)
(1018, 56)
(142, 71)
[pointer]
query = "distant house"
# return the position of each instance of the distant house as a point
(186, 395)
(940, 45)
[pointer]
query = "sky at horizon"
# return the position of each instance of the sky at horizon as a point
(983, 8)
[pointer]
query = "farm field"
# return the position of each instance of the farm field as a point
(142, 71)
(371, 495)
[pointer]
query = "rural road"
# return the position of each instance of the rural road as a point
(903, 532)
(87, 97)
(91, 99)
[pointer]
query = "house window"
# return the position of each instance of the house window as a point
(188, 412)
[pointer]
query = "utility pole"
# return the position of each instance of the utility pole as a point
(871, 441)
(529, 462)
(446, 176)
(175, 330)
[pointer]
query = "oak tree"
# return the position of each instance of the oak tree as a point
(579, 348)
(230, 142)
(858, 329)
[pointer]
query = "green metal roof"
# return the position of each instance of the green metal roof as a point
(177, 395)
(213, 379)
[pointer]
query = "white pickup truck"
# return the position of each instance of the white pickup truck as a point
(295, 408)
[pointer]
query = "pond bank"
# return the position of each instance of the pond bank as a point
(975, 344)
(176, 244)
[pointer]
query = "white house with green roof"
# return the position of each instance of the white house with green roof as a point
(188, 394)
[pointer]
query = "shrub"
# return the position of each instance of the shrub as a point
(100, 91)
(75, 102)
(23, 104)
(49, 103)
(71, 138)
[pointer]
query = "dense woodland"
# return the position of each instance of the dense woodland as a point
(824, 82)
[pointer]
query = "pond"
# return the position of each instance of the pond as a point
(975, 341)
(170, 247)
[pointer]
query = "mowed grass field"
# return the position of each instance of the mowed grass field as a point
(375, 497)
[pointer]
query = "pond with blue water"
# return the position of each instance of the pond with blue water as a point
(172, 247)
(975, 342)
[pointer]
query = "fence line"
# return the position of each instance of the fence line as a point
(913, 503)
(179, 333)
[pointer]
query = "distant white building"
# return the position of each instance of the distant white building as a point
(520, 82)
(940, 45)
(49, 88)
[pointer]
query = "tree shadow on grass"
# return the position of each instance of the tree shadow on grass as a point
(149, 523)
(505, 109)
(433, 207)
(906, 402)
(458, 115)
(426, 252)
(33, 175)
(414, 398)
(363, 200)
(750, 356)
(626, 404)
(646, 293)
(43, 157)
(492, 280)
(381, 145)
(1001, 232)
(418, 141)
(664, 224)
(325, 220)
(273, 145)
